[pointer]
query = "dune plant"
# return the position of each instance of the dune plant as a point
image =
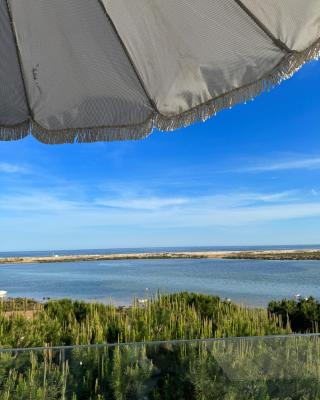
(163, 317)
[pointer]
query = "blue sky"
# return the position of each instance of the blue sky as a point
(249, 176)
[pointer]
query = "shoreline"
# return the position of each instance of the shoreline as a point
(308, 254)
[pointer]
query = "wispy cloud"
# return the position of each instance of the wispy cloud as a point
(305, 164)
(9, 168)
(148, 203)
(139, 201)
(37, 202)
(157, 211)
(46, 218)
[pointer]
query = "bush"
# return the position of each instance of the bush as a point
(303, 315)
(175, 316)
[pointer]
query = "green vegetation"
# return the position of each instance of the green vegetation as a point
(243, 369)
(274, 255)
(302, 315)
(277, 369)
(178, 316)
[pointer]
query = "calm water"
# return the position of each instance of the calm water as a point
(251, 282)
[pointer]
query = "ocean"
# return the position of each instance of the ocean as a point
(249, 282)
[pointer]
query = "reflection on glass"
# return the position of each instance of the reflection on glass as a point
(286, 367)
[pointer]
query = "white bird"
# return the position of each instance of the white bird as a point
(142, 301)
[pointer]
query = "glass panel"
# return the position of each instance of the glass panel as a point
(286, 367)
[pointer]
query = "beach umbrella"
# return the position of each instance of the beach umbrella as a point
(90, 70)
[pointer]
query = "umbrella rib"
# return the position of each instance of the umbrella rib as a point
(135, 69)
(19, 60)
(262, 26)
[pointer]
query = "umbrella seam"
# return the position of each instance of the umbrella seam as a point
(19, 60)
(263, 27)
(126, 51)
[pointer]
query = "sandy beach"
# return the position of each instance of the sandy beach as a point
(308, 254)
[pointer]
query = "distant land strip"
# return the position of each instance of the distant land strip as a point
(237, 255)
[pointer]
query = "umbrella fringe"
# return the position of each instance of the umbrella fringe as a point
(15, 132)
(290, 64)
(88, 135)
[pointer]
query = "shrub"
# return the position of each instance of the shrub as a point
(303, 315)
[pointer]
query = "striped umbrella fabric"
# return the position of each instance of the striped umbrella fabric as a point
(102, 70)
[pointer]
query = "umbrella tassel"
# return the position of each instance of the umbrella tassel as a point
(15, 132)
(107, 134)
(290, 64)
(285, 69)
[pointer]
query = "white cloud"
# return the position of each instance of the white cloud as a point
(35, 202)
(306, 164)
(8, 168)
(148, 203)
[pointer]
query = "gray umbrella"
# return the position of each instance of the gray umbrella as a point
(90, 70)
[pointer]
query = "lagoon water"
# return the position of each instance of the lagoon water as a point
(250, 282)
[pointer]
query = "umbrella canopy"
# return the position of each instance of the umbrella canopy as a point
(84, 71)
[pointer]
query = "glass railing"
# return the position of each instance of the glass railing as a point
(277, 367)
